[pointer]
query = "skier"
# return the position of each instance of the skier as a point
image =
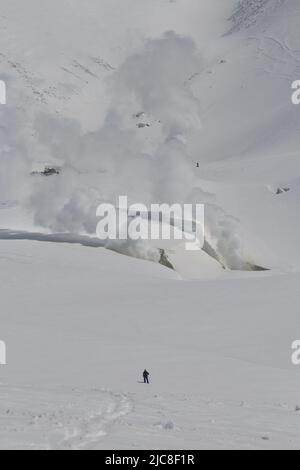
(146, 376)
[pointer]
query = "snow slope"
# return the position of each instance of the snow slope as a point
(82, 323)
(213, 81)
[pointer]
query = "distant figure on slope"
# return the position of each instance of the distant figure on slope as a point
(146, 376)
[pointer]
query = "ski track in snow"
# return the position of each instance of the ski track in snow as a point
(41, 419)
(185, 421)
(64, 420)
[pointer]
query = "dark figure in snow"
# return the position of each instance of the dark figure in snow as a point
(146, 376)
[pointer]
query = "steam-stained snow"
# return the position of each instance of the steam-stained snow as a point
(125, 98)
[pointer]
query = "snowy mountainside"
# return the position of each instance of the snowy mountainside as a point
(126, 97)
(246, 101)
(83, 102)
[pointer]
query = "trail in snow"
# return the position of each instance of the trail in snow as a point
(57, 419)
(186, 421)
(64, 419)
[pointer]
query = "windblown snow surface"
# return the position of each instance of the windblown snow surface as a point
(126, 97)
